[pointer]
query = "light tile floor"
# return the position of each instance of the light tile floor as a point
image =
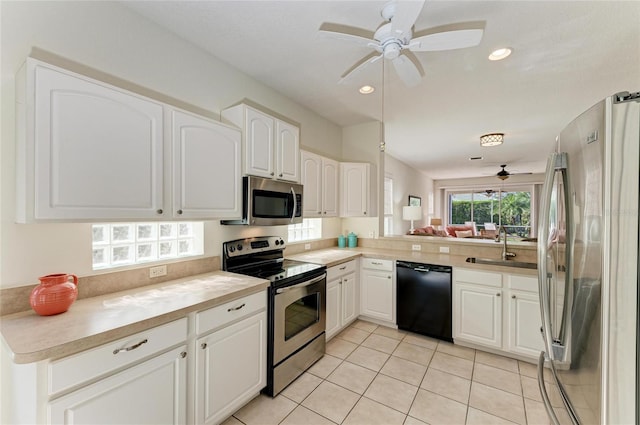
(373, 374)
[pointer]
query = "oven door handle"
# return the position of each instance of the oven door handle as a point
(301, 285)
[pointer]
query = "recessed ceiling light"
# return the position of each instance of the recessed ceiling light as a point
(499, 54)
(366, 89)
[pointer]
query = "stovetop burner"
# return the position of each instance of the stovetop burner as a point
(264, 257)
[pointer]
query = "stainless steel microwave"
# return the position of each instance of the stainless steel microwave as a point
(269, 202)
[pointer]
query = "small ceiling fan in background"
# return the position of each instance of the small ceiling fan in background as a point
(504, 174)
(395, 40)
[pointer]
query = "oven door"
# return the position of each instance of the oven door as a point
(299, 316)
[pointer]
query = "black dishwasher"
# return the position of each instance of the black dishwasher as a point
(424, 299)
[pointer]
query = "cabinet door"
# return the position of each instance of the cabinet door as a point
(330, 178)
(311, 178)
(349, 304)
(355, 190)
(206, 168)
(287, 152)
(230, 368)
(98, 150)
(478, 314)
(334, 307)
(524, 324)
(259, 144)
(377, 295)
(153, 392)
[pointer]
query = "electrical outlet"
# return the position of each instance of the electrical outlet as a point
(157, 271)
(372, 234)
(444, 249)
(307, 246)
(416, 247)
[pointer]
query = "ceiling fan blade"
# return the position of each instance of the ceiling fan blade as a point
(359, 66)
(345, 32)
(448, 37)
(405, 16)
(409, 69)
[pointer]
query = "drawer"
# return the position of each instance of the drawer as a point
(73, 370)
(523, 283)
(377, 264)
(478, 277)
(221, 315)
(341, 270)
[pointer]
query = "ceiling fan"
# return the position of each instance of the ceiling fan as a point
(504, 174)
(395, 40)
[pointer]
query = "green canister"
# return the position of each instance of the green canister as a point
(353, 240)
(342, 242)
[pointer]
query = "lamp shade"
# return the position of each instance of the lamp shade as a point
(411, 212)
(436, 221)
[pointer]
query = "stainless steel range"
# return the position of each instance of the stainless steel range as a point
(296, 309)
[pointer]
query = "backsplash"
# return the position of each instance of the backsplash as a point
(14, 300)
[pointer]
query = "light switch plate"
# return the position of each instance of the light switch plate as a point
(307, 246)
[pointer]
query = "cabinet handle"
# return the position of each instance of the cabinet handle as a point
(376, 263)
(280, 175)
(513, 296)
(133, 347)
(319, 212)
(183, 354)
(343, 267)
(340, 281)
(324, 212)
(388, 277)
(365, 213)
(203, 345)
(498, 294)
(179, 211)
(159, 211)
(236, 308)
(272, 174)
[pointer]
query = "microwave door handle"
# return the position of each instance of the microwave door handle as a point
(295, 204)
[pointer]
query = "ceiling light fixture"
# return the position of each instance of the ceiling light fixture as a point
(367, 89)
(491, 139)
(499, 54)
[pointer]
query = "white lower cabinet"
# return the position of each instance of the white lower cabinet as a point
(152, 392)
(378, 290)
(342, 299)
(230, 361)
(497, 310)
(479, 314)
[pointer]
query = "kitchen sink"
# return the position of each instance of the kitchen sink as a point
(506, 263)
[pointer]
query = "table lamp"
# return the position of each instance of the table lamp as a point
(436, 222)
(412, 212)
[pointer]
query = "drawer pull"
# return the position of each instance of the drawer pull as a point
(343, 267)
(498, 294)
(203, 345)
(376, 263)
(183, 354)
(236, 308)
(513, 296)
(133, 347)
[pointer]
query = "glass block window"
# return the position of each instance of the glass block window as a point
(123, 244)
(310, 228)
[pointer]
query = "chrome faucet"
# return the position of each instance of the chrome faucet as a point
(505, 254)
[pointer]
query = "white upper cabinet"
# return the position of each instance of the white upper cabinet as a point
(207, 179)
(320, 179)
(287, 151)
(271, 146)
(358, 190)
(85, 150)
(88, 151)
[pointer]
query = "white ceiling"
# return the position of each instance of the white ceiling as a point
(567, 55)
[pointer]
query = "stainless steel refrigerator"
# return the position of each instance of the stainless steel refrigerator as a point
(588, 266)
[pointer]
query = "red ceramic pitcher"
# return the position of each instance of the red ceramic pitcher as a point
(54, 294)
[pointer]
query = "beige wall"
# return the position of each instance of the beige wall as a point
(111, 38)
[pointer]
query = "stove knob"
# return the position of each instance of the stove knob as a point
(277, 242)
(232, 248)
(239, 246)
(281, 242)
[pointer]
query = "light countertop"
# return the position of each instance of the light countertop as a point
(91, 322)
(334, 256)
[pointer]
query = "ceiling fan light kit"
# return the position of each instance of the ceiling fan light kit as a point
(491, 139)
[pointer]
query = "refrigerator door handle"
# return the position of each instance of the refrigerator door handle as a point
(544, 245)
(543, 391)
